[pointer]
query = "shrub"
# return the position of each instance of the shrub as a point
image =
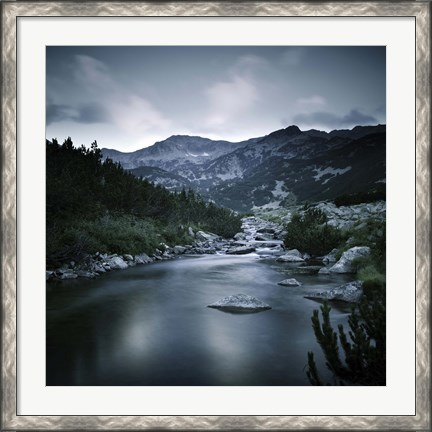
(311, 233)
(360, 197)
(371, 277)
(364, 348)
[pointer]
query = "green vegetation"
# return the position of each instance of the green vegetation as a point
(364, 348)
(361, 197)
(310, 232)
(94, 205)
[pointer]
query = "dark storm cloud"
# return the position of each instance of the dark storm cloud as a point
(92, 113)
(57, 113)
(87, 114)
(330, 120)
(129, 97)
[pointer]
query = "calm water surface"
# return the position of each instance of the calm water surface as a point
(149, 325)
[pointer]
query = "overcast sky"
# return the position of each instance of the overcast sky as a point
(130, 97)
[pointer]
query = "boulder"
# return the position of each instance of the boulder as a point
(191, 232)
(66, 274)
(98, 268)
(289, 282)
(242, 250)
(128, 257)
(142, 259)
(49, 274)
(348, 293)
(86, 274)
(290, 258)
(203, 236)
(330, 257)
(345, 264)
(294, 252)
(240, 303)
(240, 236)
(116, 262)
(178, 250)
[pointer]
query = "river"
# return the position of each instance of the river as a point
(149, 325)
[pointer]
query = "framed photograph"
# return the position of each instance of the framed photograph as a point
(215, 215)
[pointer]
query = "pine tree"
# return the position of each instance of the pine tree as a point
(364, 347)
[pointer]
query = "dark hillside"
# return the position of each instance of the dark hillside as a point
(98, 206)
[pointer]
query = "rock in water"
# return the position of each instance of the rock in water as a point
(290, 258)
(240, 303)
(116, 262)
(349, 293)
(242, 250)
(305, 270)
(289, 282)
(345, 264)
(330, 257)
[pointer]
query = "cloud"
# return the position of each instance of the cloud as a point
(293, 56)
(329, 120)
(87, 113)
(108, 101)
(314, 100)
(236, 95)
(229, 99)
(57, 113)
(136, 114)
(93, 73)
(249, 65)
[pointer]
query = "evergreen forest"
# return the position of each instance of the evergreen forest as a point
(95, 205)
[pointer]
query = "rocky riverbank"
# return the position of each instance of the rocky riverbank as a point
(259, 236)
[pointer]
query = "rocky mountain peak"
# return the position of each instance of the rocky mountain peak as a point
(290, 131)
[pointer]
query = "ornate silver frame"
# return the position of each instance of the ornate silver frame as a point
(10, 10)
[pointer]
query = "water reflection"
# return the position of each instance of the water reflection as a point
(149, 325)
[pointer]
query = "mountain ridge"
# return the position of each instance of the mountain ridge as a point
(284, 167)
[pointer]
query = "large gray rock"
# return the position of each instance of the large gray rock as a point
(348, 293)
(289, 282)
(63, 274)
(178, 250)
(203, 236)
(116, 262)
(240, 303)
(142, 259)
(242, 250)
(240, 236)
(290, 258)
(330, 257)
(86, 274)
(294, 252)
(345, 264)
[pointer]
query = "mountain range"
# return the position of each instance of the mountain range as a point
(285, 167)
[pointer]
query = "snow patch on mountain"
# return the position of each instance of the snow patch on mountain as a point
(278, 191)
(333, 172)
